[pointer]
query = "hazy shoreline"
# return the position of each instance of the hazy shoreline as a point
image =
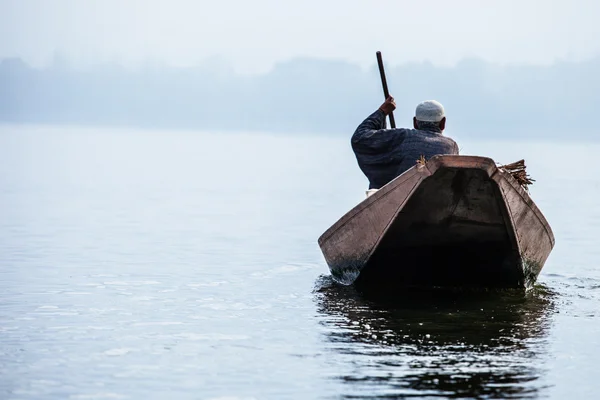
(306, 95)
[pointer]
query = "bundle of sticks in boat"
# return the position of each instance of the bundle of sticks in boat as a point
(518, 170)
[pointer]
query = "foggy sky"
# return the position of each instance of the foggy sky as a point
(253, 35)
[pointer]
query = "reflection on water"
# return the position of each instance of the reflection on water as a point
(129, 269)
(437, 344)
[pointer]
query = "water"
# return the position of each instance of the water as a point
(147, 264)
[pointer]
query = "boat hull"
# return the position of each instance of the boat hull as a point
(457, 221)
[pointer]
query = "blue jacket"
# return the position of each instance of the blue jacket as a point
(383, 154)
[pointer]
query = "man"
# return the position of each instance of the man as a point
(383, 154)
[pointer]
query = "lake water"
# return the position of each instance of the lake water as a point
(184, 265)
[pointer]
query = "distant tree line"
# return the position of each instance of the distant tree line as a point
(308, 96)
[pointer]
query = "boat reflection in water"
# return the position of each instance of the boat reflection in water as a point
(436, 343)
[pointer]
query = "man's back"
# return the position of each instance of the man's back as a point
(383, 154)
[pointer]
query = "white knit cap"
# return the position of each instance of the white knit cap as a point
(430, 111)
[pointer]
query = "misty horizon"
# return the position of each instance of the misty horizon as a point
(304, 95)
(269, 66)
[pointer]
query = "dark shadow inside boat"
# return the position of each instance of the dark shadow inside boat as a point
(457, 265)
(450, 343)
(454, 231)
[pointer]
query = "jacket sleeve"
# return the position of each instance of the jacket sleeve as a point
(371, 135)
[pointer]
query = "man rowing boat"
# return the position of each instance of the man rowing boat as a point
(383, 154)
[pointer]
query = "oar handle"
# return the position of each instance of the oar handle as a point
(386, 92)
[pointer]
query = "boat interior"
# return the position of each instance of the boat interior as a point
(453, 231)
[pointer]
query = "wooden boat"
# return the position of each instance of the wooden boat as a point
(454, 221)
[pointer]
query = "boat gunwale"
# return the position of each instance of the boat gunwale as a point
(366, 203)
(526, 199)
(431, 167)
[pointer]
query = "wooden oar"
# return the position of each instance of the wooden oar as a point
(386, 93)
